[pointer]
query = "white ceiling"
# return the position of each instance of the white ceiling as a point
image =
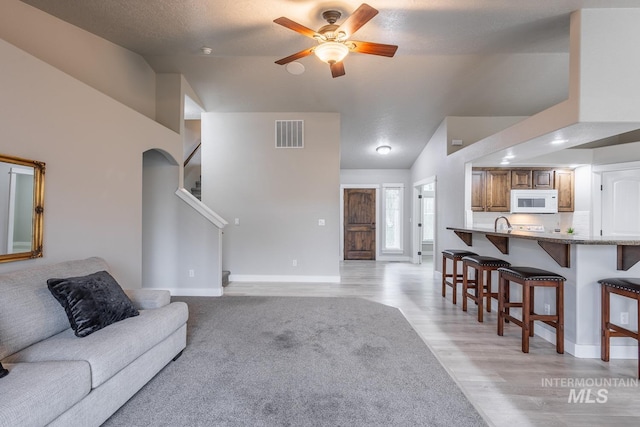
(455, 58)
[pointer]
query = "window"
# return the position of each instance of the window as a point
(393, 201)
(429, 212)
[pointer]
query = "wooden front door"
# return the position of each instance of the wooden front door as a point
(359, 224)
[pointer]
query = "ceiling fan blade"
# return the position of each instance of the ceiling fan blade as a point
(361, 16)
(298, 28)
(295, 56)
(373, 48)
(337, 69)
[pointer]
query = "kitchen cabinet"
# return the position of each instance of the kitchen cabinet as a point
(537, 179)
(521, 178)
(498, 190)
(564, 183)
(491, 190)
(542, 179)
(491, 187)
(478, 199)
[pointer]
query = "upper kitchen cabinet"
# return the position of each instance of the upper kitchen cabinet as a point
(478, 198)
(564, 183)
(498, 190)
(521, 178)
(542, 179)
(491, 187)
(490, 190)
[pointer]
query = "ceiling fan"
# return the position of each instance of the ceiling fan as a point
(334, 40)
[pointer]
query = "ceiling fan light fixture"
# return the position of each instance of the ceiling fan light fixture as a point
(331, 52)
(383, 149)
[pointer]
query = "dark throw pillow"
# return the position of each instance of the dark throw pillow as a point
(92, 302)
(3, 372)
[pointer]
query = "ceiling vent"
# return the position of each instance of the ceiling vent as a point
(289, 133)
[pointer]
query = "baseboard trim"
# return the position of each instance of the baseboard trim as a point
(398, 258)
(195, 292)
(583, 351)
(283, 278)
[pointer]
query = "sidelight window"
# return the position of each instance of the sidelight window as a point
(393, 204)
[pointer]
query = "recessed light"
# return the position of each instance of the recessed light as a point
(383, 149)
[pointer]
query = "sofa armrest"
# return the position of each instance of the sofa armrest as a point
(145, 299)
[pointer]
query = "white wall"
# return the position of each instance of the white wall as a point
(277, 195)
(379, 177)
(92, 146)
(109, 68)
(176, 239)
(473, 129)
(617, 154)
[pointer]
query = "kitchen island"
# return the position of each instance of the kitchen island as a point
(582, 260)
(557, 245)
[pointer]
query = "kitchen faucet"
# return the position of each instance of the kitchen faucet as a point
(495, 224)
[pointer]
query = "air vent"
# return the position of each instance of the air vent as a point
(289, 133)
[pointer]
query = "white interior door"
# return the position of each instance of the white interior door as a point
(621, 203)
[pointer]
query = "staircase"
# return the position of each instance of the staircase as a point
(197, 190)
(225, 278)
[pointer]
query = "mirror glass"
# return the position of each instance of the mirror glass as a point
(21, 208)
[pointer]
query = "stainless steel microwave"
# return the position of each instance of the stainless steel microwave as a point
(534, 201)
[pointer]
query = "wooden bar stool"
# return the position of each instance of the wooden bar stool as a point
(483, 266)
(530, 278)
(455, 255)
(626, 287)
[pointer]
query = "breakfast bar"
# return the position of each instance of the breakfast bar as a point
(557, 245)
(583, 260)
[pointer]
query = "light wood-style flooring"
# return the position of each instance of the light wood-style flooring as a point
(505, 385)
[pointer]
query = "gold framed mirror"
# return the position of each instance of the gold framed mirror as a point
(21, 208)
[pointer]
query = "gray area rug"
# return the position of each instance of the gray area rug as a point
(289, 361)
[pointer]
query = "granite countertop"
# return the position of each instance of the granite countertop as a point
(571, 239)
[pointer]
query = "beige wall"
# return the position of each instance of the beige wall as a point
(278, 195)
(92, 146)
(111, 69)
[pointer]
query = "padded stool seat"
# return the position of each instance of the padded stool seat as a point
(626, 287)
(483, 266)
(530, 278)
(455, 255)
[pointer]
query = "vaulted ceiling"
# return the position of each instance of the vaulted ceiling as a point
(455, 58)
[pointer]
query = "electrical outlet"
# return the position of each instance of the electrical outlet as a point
(547, 309)
(321, 222)
(624, 318)
(236, 221)
(294, 263)
(192, 273)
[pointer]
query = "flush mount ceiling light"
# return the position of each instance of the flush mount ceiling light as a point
(383, 149)
(331, 52)
(206, 50)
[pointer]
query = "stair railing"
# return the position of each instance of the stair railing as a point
(193, 153)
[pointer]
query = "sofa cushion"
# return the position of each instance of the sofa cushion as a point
(111, 349)
(34, 394)
(145, 299)
(92, 302)
(28, 311)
